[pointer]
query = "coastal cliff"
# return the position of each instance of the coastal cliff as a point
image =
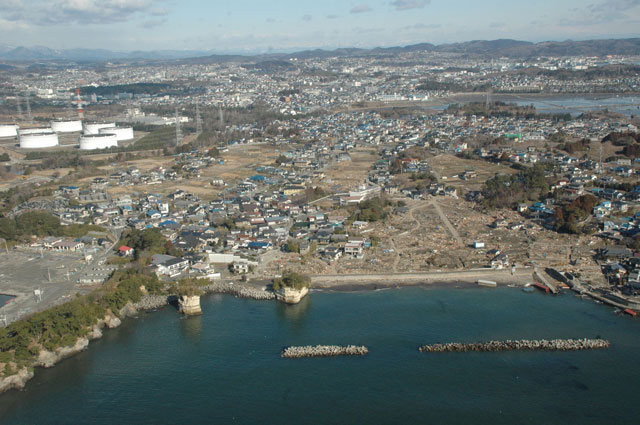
(48, 358)
(16, 381)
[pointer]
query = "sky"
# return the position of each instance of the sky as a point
(251, 26)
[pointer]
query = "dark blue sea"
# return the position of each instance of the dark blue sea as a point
(225, 366)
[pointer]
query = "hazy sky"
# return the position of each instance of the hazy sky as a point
(261, 25)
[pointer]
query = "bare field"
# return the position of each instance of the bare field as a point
(349, 174)
(448, 167)
(240, 162)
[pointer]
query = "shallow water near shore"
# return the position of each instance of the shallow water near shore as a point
(225, 365)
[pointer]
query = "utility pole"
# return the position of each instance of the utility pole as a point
(49, 274)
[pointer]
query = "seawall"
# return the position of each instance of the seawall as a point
(521, 276)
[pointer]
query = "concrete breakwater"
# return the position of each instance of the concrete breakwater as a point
(520, 345)
(324, 351)
(239, 290)
(152, 302)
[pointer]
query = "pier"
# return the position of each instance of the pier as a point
(519, 345)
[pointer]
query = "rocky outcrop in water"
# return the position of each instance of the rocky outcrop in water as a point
(291, 295)
(324, 351)
(190, 305)
(520, 345)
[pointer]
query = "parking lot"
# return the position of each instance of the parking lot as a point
(55, 274)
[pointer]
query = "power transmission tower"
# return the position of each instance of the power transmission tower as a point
(221, 116)
(600, 164)
(29, 116)
(19, 107)
(198, 119)
(178, 130)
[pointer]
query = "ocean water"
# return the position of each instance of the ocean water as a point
(578, 105)
(5, 299)
(225, 366)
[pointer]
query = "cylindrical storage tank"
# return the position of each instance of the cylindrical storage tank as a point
(122, 133)
(98, 141)
(41, 130)
(38, 140)
(8, 130)
(73, 126)
(94, 128)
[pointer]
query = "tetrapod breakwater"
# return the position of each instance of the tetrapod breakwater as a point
(324, 351)
(519, 345)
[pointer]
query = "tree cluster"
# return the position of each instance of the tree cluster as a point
(568, 217)
(505, 191)
(373, 209)
(292, 280)
(40, 223)
(148, 242)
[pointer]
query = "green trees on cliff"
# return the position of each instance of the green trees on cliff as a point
(62, 325)
(292, 280)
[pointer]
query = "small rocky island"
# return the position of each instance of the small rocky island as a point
(291, 287)
(189, 291)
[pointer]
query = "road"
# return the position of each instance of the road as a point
(447, 223)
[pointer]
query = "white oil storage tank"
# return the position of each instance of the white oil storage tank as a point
(38, 140)
(98, 141)
(38, 130)
(122, 133)
(73, 126)
(94, 128)
(8, 130)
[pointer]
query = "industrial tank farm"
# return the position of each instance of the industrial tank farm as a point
(94, 128)
(8, 130)
(122, 133)
(73, 126)
(37, 138)
(98, 141)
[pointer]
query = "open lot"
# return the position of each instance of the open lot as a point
(349, 174)
(24, 271)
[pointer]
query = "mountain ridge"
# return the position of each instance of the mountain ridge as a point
(491, 48)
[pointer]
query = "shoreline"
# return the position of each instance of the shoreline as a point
(259, 290)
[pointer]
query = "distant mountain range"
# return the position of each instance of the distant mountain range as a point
(487, 48)
(39, 53)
